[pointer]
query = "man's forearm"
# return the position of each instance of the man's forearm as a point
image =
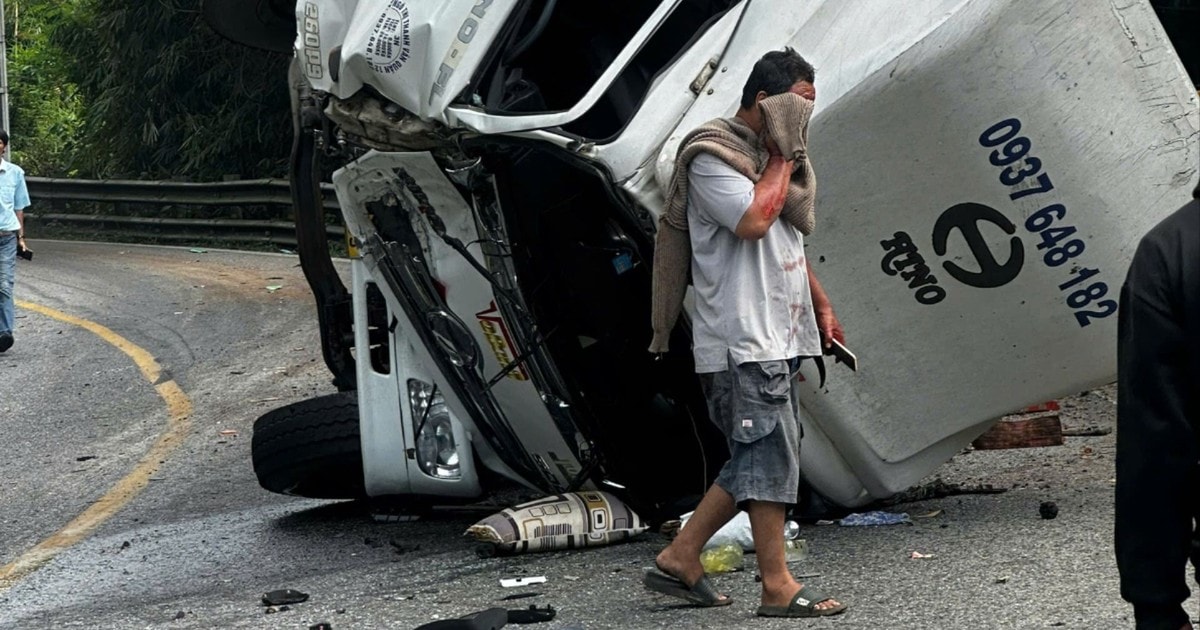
(820, 300)
(21, 221)
(770, 193)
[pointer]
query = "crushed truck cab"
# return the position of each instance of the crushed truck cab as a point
(984, 171)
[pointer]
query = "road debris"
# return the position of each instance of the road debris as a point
(1048, 509)
(283, 596)
(917, 555)
(727, 557)
(515, 596)
(533, 614)
(560, 522)
(875, 518)
(1087, 431)
(271, 288)
(86, 458)
(522, 581)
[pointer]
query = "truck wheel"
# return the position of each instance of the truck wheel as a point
(311, 449)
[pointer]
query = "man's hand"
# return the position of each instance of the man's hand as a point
(772, 146)
(830, 328)
(827, 323)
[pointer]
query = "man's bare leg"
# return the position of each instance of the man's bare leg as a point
(681, 558)
(766, 525)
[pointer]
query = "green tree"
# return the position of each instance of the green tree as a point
(45, 107)
(166, 97)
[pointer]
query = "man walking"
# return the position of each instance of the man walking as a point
(14, 198)
(1158, 421)
(759, 311)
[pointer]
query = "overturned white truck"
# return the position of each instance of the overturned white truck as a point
(985, 169)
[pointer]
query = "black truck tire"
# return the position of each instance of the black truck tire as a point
(311, 449)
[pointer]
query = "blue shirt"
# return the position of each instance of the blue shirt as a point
(14, 195)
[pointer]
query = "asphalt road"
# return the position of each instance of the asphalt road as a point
(194, 542)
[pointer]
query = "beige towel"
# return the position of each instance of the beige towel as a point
(730, 139)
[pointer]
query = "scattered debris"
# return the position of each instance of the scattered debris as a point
(874, 518)
(938, 489)
(271, 288)
(533, 614)
(728, 557)
(932, 514)
(125, 545)
(198, 250)
(86, 458)
(229, 432)
(271, 610)
(490, 618)
(560, 522)
(1002, 580)
(520, 596)
(917, 555)
(1024, 432)
(1048, 509)
(571, 578)
(522, 581)
(670, 528)
(1087, 431)
(180, 615)
(284, 596)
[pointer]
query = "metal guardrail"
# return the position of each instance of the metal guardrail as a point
(254, 192)
(247, 192)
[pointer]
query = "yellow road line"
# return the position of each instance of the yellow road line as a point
(179, 410)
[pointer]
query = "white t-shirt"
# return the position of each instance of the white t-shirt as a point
(752, 299)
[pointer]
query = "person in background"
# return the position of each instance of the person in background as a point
(1158, 421)
(14, 198)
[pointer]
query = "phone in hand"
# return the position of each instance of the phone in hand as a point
(842, 354)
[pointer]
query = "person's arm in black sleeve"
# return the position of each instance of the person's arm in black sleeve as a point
(1156, 453)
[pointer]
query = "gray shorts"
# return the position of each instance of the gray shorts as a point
(755, 405)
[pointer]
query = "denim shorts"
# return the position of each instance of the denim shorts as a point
(755, 406)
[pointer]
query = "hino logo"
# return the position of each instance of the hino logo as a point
(458, 48)
(312, 42)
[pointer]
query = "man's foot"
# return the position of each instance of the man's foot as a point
(805, 602)
(783, 597)
(6, 341)
(689, 571)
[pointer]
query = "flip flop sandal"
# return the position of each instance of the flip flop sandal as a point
(702, 593)
(803, 604)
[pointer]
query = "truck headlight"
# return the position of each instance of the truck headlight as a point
(436, 451)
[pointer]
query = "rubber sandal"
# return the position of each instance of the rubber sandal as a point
(803, 604)
(702, 593)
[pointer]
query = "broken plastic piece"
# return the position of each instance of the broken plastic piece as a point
(284, 596)
(522, 581)
(490, 619)
(520, 596)
(533, 614)
(917, 555)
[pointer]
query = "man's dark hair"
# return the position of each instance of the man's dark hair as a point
(776, 73)
(3, 136)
